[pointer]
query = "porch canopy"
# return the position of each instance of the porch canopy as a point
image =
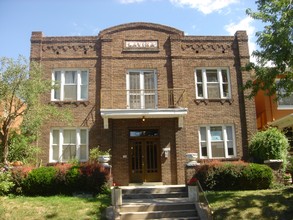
(286, 121)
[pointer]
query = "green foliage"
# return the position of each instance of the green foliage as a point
(6, 182)
(276, 46)
(61, 179)
(40, 181)
(22, 149)
(234, 176)
(269, 144)
(21, 89)
(96, 152)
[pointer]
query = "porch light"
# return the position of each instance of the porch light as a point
(143, 118)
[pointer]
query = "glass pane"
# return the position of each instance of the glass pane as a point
(57, 77)
(134, 80)
(218, 149)
(286, 101)
(204, 151)
(83, 135)
(149, 81)
(83, 154)
(55, 149)
(198, 75)
(56, 137)
(69, 136)
(134, 101)
(149, 101)
(213, 91)
(146, 133)
(225, 90)
(230, 148)
(70, 92)
(84, 78)
(57, 94)
(229, 133)
(70, 77)
(203, 134)
(69, 152)
(83, 92)
(199, 90)
(224, 75)
(212, 75)
(216, 133)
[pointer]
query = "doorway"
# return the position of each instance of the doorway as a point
(145, 154)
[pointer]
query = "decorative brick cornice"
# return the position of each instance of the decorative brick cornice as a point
(69, 48)
(208, 47)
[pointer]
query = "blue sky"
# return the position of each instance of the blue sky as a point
(18, 18)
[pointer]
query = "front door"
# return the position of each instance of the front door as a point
(144, 152)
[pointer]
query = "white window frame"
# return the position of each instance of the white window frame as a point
(220, 82)
(62, 83)
(209, 141)
(60, 144)
(141, 81)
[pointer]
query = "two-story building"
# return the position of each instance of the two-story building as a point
(149, 93)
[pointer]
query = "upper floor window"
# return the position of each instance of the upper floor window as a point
(285, 102)
(141, 89)
(68, 144)
(217, 141)
(71, 85)
(212, 83)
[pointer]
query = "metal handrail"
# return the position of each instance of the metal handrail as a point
(204, 203)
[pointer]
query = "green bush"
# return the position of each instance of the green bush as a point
(40, 181)
(269, 144)
(61, 179)
(6, 182)
(234, 176)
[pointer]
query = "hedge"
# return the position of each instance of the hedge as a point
(234, 176)
(61, 179)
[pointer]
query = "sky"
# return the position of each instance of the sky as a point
(18, 18)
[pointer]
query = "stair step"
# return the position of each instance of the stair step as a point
(157, 207)
(158, 214)
(155, 195)
(152, 190)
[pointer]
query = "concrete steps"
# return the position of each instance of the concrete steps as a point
(156, 202)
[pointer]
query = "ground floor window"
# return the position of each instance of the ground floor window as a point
(217, 141)
(68, 144)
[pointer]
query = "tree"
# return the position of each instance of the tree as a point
(21, 89)
(275, 56)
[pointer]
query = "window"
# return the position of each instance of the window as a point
(71, 85)
(141, 89)
(212, 83)
(285, 102)
(217, 141)
(68, 144)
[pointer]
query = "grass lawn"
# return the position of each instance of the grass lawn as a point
(53, 207)
(260, 204)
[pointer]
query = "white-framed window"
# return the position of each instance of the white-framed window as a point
(212, 83)
(217, 141)
(141, 86)
(70, 85)
(284, 102)
(68, 144)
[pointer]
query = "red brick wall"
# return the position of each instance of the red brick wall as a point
(175, 61)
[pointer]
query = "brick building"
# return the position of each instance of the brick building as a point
(149, 93)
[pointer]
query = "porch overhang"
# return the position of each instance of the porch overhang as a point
(143, 113)
(286, 121)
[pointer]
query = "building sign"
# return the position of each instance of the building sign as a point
(141, 45)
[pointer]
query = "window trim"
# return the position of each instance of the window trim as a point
(141, 82)
(225, 140)
(62, 84)
(220, 82)
(61, 143)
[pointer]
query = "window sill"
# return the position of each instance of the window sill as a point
(64, 103)
(206, 101)
(208, 160)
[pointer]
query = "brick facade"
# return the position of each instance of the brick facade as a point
(174, 59)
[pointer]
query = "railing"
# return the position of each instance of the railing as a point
(204, 203)
(142, 99)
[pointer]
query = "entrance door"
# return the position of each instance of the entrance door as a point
(144, 159)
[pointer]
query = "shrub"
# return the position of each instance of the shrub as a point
(234, 176)
(40, 181)
(18, 175)
(269, 144)
(6, 182)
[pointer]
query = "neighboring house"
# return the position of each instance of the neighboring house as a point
(149, 93)
(277, 113)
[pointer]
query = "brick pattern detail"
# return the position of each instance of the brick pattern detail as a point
(174, 61)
